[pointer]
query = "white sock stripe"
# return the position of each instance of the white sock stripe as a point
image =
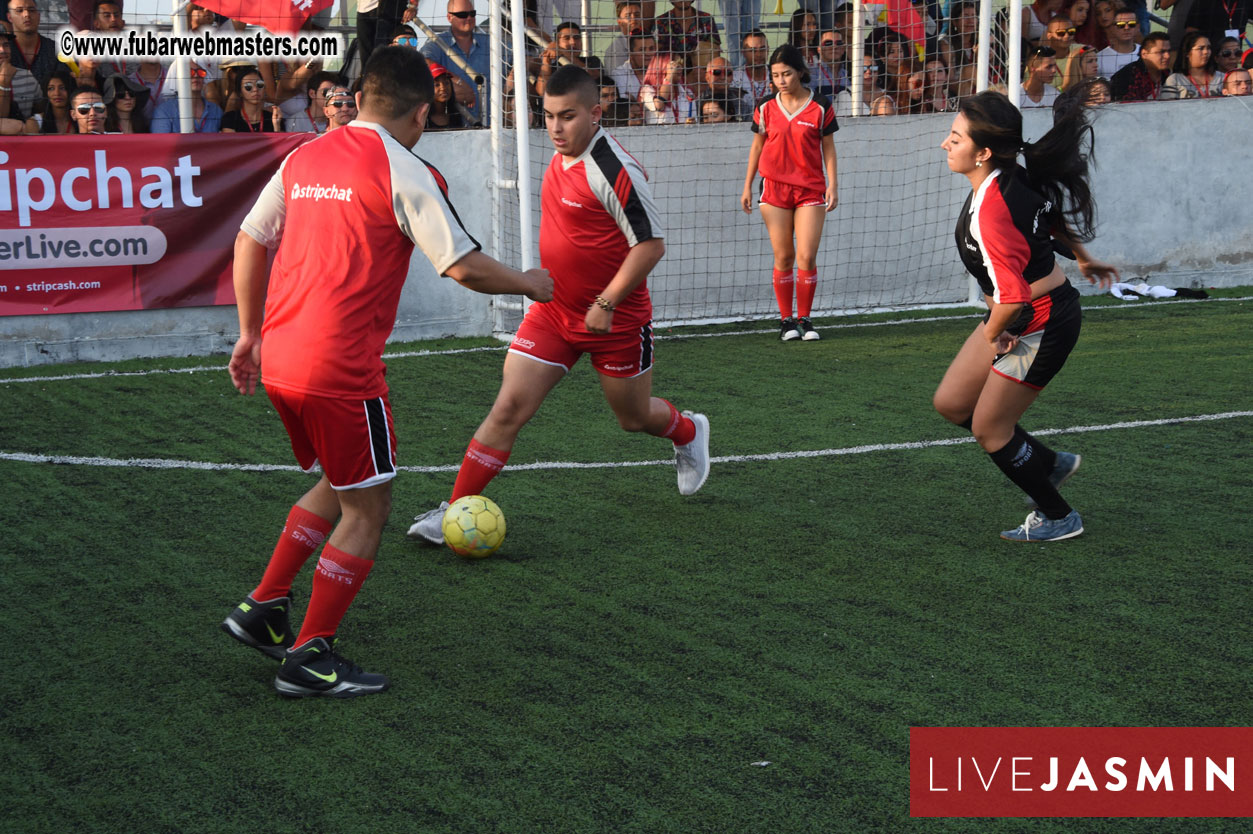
(670, 337)
(164, 463)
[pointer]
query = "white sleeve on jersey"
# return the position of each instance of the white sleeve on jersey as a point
(423, 212)
(264, 223)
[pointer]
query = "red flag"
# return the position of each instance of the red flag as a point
(904, 18)
(274, 15)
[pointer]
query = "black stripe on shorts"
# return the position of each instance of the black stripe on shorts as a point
(380, 438)
(646, 347)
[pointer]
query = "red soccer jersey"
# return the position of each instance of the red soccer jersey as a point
(345, 211)
(594, 210)
(793, 151)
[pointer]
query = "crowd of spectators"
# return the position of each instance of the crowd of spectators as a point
(662, 66)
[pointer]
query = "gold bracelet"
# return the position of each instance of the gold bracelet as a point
(604, 303)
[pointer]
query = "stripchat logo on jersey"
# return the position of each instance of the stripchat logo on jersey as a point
(320, 192)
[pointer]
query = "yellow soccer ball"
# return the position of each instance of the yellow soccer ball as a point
(473, 526)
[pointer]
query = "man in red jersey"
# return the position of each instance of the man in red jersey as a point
(345, 212)
(600, 236)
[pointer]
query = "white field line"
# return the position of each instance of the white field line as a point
(668, 337)
(165, 463)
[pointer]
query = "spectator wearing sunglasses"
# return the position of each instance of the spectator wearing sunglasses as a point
(1142, 79)
(1227, 54)
(251, 117)
(1122, 49)
(375, 18)
(1035, 19)
(1195, 73)
(311, 118)
(829, 73)
(1060, 37)
(206, 116)
(125, 98)
(717, 88)
(464, 40)
(340, 108)
(88, 111)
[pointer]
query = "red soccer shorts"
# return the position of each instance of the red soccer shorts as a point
(546, 336)
(784, 196)
(353, 440)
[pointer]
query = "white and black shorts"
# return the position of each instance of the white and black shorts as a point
(1046, 342)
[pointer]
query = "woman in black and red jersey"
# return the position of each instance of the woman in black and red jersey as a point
(1013, 220)
(792, 147)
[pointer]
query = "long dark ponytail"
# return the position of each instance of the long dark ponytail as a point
(1056, 165)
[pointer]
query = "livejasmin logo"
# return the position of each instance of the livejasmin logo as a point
(1081, 771)
(1023, 776)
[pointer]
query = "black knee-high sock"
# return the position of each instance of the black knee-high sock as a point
(1020, 462)
(1047, 455)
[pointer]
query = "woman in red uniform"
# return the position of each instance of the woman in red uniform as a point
(792, 147)
(1013, 220)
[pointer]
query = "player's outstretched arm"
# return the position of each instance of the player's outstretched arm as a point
(1095, 271)
(484, 274)
(250, 283)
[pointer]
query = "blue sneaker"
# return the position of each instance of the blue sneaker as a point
(1037, 528)
(1064, 466)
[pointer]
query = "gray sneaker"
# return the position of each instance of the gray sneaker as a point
(692, 460)
(1064, 466)
(1037, 528)
(429, 527)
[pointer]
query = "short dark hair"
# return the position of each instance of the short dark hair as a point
(95, 7)
(1152, 38)
(637, 35)
(569, 24)
(573, 79)
(755, 33)
(396, 81)
(317, 78)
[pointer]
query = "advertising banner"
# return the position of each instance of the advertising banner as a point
(97, 223)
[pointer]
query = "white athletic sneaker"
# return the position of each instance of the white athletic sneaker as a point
(429, 527)
(692, 460)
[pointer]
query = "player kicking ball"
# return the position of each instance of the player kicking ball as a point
(600, 236)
